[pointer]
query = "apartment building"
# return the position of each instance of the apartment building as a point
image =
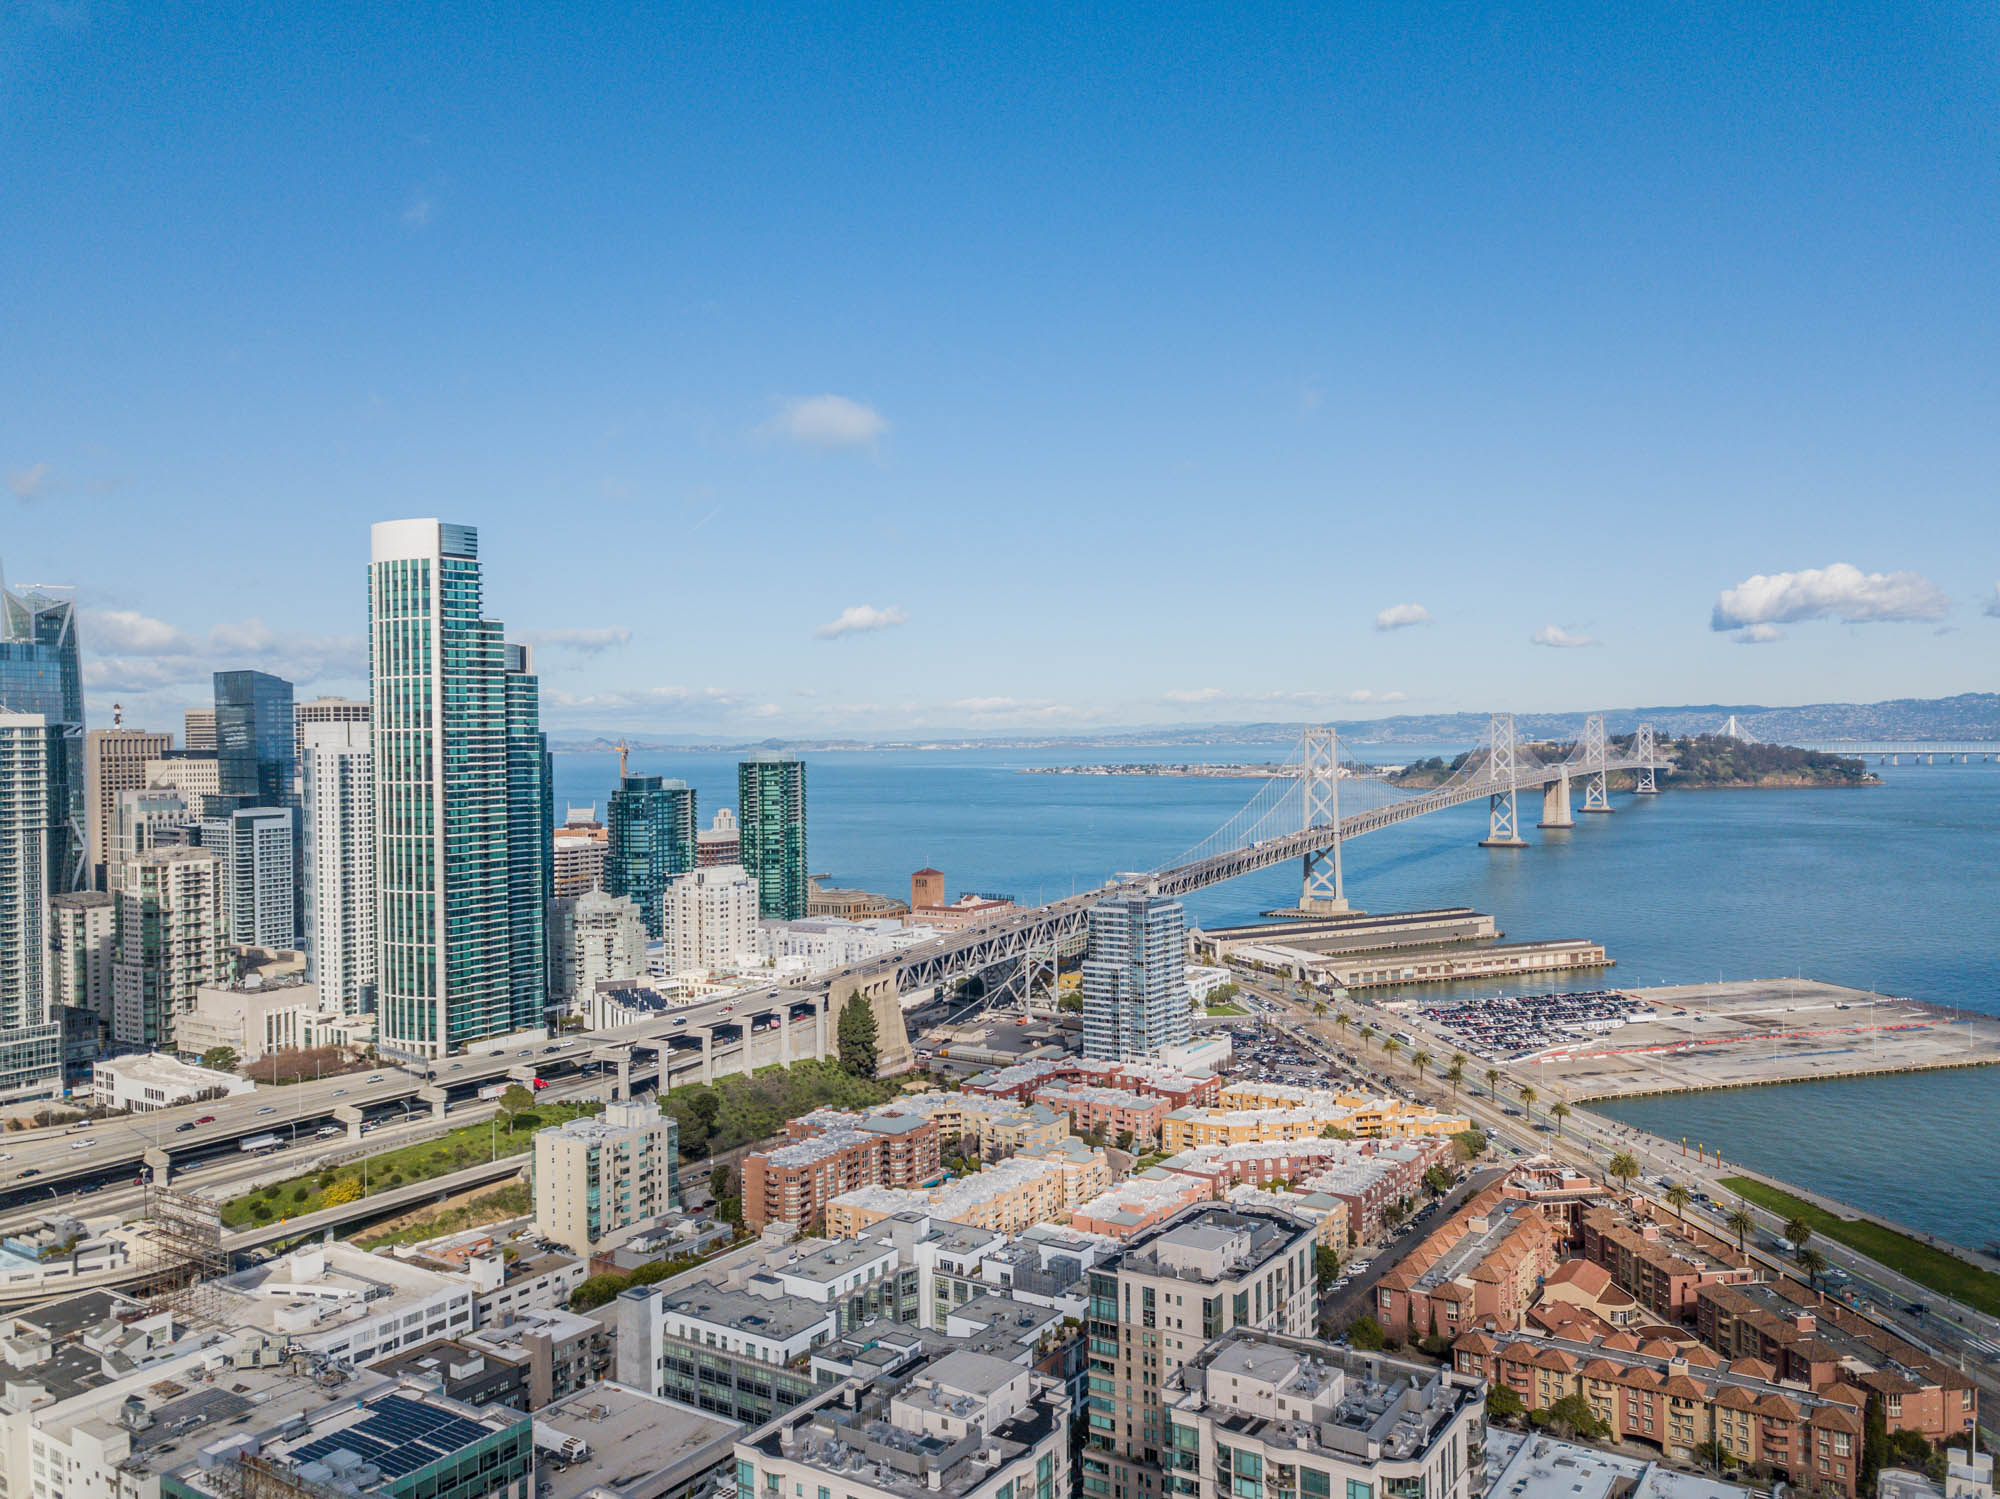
(1124, 1118)
(1257, 1412)
(1171, 1292)
(1482, 1267)
(829, 1153)
(1015, 1194)
(1662, 1265)
(603, 1177)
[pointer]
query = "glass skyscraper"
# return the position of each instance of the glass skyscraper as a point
(771, 813)
(41, 671)
(1135, 993)
(254, 738)
(650, 830)
(461, 778)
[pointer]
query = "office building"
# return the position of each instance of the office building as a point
(147, 819)
(198, 731)
(963, 1425)
(197, 777)
(592, 937)
(114, 760)
(718, 842)
(1171, 1292)
(258, 1014)
(41, 671)
(730, 1352)
(709, 917)
(1135, 998)
(461, 800)
(172, 937)
(599, 1178)
(1254, 1408)
(337, 823)
(253, 738)
(652, 832)
(142, 1082)
(323, 710)
(771, 836)
(31, 1032)
(83, 931)
(259, 874)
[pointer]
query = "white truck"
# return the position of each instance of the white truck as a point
(257, 1143)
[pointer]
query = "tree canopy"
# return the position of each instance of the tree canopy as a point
(857, 1037)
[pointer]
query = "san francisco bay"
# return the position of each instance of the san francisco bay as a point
(1891, 889)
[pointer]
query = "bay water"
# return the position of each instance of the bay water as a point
(1894, 889)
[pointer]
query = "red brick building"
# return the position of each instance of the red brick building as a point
(1482, 1267)
(827, 1154)
(1109, 1113)
(1661, 1264)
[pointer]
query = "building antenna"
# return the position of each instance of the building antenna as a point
(117, 714)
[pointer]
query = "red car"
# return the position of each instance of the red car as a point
(206, 1119)
(540, 1083)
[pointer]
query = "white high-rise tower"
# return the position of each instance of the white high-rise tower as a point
(337, 781)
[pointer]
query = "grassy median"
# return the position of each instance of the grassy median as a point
(1923, 1263)
(440, 1155)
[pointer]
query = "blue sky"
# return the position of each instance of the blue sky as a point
(868, 369)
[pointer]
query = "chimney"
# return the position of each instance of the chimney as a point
(1804, 1321)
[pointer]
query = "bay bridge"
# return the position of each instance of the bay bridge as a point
(1297, 816)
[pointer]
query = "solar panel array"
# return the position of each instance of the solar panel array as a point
(398, 1436)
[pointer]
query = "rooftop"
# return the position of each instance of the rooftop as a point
(1209, 1240)
(632, 1445)
(780, 1318)
(1539, 1467)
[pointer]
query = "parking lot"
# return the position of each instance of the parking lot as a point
(1505, 1027)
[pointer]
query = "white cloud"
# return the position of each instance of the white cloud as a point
(1841, 592)
(861, 617)
(765, 710)
(1366, 695)
(417, 213)
(1993, 604)
(1193, 694)
(1402, 616)
(646, 698)
(29, 483)
(1561, 639)
(1196, 695)
(828, 421)
(590, 640)
(1013, 707)
(127, 631)
(1759, 634)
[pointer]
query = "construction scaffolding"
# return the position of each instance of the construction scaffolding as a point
(185, 1239)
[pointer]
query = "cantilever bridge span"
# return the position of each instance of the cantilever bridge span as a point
(1297, 816)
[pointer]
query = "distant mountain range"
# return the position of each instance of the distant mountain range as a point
(1970, 715)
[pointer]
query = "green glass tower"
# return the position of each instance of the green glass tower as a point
(650, 836)
(771, 810)
(461, 800)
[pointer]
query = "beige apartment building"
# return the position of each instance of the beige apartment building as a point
(598, 1179)
(114, 760)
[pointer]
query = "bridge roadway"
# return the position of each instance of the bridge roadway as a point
(697, 1043)
(1033, 929)
(1952, 749)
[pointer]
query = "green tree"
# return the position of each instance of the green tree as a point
(1438, 1181)
(1559, 1111)
(1368, 1036)
(516, 1101)
(1341, 1021)
(1571, 1416)
(1365, 1332)
(1814, 1264)
(1492, 1082)
(1623, 1168)
(1420, 1061)
(857, 1038)
(721, 1181)
(220, 1058)
(1326, 1266)
(1072, 1002)
(1678, 1198)
(1503, 1404)
(1798, 1231)
(1390, 1046)
(596, 1291)
(1740, 1222)
(1528, 1095)
(1455, 1074)
(1471, 1143)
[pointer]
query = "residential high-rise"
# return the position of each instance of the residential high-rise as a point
(708, 917)
(198, 730)
(461, 782)
(259, 874)
(717, 843)
(197, 776)
(322, 710)
(652, 839)
(114, 760)
(253, 737)
(592, 937)
(172, 939)
(1135, 994)
(83, 931)
(143, 819)
(530, 819)
(1168, 1294)
(771, 816)
(597, 1178)
(337, 818)
(41, 671)
(30, 1026)
(579, 849)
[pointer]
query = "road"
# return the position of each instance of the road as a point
(1338, 1308)
(1589, 1140)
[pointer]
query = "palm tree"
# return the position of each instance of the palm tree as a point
(1528, 1097)
(1559, 1111)
(1367, 1035)
(1678, 1198)
(1319, 1007)
(1390, 1046)
(1492, 1081)
(1623, 1168)
(1420, 1061)
(1798, 1231)
(1814, 1264)
(1740, 1224)
(1340, 1020)
(1455, 1074)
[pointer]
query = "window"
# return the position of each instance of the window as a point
(1357, 1489)
(1314, 1484)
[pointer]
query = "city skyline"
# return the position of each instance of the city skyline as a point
(1610, 350)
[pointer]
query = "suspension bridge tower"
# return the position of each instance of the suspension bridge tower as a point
(1321, 893)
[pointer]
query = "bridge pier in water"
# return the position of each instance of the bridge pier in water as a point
(1555, 804)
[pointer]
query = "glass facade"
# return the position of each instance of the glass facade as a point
(254, 738)
(1135, 995)
(41, 671)
(650, 831)
(771, 815)
(462, 800)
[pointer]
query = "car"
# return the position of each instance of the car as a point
(79, 1145)
(340, 1093)
(1345, 1280)
(376, 1078)
(682, 1021)
(524, 1053)
(327, 1129)
(454, 1066)
(269, 1108)
(547, 1050)
(181, 1129)
(206, 1119)
(24, 1175)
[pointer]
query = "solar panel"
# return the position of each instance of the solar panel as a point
(398, 1436)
